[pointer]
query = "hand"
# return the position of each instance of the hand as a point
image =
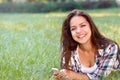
(65, 74)
(60, 75)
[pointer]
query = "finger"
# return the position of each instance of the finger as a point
(56, 74)
(59, 76)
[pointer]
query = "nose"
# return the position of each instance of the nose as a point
(78, 30)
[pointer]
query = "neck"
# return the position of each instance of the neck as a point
(87, 47)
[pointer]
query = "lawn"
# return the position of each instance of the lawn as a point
(29, 43)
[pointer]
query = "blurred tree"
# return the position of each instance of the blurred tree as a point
(49, 0)
(43, 0)
(3, 1)
(9, 0)
(39, 0)
(54, 0)
(31, 0)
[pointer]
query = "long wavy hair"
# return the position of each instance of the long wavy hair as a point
(67, 42)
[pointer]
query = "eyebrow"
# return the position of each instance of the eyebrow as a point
(79, 24)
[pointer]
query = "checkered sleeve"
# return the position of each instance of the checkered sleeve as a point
(107, 63)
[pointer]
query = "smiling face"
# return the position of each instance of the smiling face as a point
(80, 29)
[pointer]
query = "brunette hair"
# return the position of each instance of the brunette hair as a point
(67, 42)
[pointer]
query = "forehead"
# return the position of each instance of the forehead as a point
(77, 20)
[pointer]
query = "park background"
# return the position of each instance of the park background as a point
(30, 33)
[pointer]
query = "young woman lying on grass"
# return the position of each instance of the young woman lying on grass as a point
(85, 53)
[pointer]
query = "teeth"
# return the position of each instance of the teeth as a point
(81, 36)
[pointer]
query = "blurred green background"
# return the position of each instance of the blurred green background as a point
(36, 6)
(30, 33)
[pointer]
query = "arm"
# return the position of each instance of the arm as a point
(75, 76)
(70, 75)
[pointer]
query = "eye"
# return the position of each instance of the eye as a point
(83, 25)
(72, 29)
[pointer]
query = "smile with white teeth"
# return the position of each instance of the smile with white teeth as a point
(81, 36)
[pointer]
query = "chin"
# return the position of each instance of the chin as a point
(81, 42)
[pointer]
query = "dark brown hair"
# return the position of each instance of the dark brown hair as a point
(67, 42)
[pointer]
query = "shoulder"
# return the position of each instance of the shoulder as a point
(111, 49)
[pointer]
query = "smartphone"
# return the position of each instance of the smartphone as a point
(55, 69)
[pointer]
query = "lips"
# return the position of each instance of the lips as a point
(81, 36)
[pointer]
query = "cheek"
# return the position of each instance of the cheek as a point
(88, 30)
(72, 33)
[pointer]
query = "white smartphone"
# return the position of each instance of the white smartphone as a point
(55, 69)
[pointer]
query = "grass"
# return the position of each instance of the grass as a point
(29, 43)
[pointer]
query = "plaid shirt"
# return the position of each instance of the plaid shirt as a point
(106, 61)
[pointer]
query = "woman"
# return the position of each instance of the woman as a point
(85, 53)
